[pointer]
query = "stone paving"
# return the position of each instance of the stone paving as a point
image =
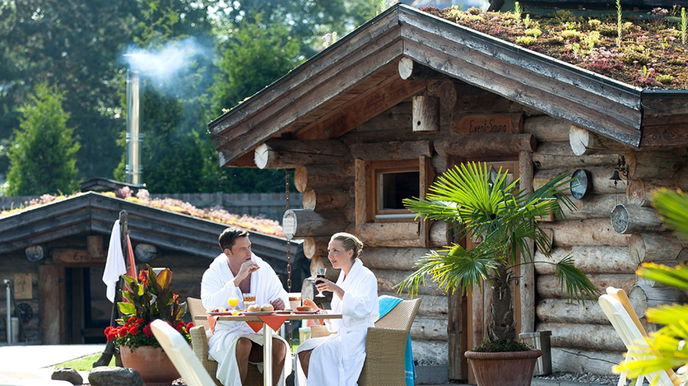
(33, 365)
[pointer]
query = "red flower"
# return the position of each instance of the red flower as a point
(133, 330)
(131, 319)
(139, 321)
(147, 331)
(189, 326)
(122, 332)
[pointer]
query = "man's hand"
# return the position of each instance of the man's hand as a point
(278, 304)
(247, 268)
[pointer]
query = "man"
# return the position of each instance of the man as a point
(234, 272)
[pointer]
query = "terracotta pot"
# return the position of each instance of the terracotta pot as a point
(503, 368)
(151, 362)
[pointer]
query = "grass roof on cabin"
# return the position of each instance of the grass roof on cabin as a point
(257, 224)
(652, 51)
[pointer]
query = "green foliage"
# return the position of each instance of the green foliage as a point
(526, 40)
(43, 159)
(684, 25)
(145, 299)
(665, 78)
(256, 55)
(490, 208)
(619, 26)
(517, 10)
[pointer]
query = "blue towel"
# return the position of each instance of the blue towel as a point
(386, 304)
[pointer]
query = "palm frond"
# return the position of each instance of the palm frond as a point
(673, 207)
(676, 277)
(574, 281)
(450, 268)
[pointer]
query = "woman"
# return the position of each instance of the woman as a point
(338, 359)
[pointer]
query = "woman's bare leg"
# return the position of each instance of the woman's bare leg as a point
(304, 358)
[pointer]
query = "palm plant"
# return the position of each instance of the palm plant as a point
(504, 219)
(666, 348)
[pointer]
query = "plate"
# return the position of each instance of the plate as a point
(220, 313)
(256, 313)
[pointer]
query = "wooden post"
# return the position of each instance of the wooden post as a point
(527, 282)
(324, 200)
(405, 67)
(287, 154)
(110, 348)
(657, 165)
(644, 295)
(315, 246)
(639, 192)
(425, 113)
(583, 141)
(658, 247)
(305, 223)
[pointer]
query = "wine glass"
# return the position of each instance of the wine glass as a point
(320, 275)
(233, 301)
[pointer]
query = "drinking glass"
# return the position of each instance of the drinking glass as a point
(320, 275)
(233, 301)
(249, 299)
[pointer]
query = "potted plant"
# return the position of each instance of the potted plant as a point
(493, 211)
(145, 300)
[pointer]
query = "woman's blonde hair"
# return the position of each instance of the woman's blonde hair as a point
(350, 242)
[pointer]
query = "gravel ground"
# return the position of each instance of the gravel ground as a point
(582, 378)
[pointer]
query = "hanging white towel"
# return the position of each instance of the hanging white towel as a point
(114, 265)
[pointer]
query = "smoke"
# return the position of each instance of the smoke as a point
(166, 63)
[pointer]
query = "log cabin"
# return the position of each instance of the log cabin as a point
(55, 256)
(376, 116)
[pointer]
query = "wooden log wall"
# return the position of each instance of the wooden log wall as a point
(391, 248)
(582, 338)
(607, 246)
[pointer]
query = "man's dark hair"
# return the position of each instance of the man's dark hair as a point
(229, 235)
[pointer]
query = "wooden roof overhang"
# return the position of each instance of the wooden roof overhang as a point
(356, 79)
(91, 212)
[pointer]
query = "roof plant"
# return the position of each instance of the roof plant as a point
(503, 219)
(645, 50)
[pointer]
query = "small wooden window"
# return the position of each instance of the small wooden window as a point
(390, 184)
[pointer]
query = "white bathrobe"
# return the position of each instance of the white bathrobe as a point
(338, 359)
(216, 287)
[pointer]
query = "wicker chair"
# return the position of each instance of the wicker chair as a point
(386, 346)
(199, 343)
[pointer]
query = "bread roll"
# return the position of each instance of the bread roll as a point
(253, 308)
(267, 307)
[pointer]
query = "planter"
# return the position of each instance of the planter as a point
(151, 362)
(503, 368)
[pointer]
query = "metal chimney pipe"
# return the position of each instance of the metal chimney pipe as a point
(133, 167)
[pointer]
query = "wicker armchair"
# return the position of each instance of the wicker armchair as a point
(199, 343)
(386, 346)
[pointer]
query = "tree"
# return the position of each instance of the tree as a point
(43, 160)
(256, 55)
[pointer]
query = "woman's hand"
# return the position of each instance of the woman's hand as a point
(310, 303)
(326, 285)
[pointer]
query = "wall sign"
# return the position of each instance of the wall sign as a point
(489, 124)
